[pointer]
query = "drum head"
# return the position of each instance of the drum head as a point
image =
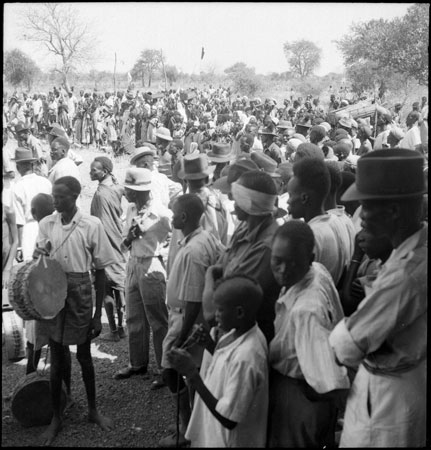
(31, 402)
(47, 288)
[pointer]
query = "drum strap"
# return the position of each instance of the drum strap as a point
(65, 239)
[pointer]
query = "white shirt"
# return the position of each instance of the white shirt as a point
(411, 138)
(237, 376)
(329, 248)
(64, 167)
(305, 316)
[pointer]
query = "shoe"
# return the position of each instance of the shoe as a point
(129, 372)
(122, 332)
(158, 383)
(170, 441)
(111, 336)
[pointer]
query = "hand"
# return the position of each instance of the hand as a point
(200, 335)
(95, 327)
(357, 291)
(182, 361)
(134, 233)
(213, 273)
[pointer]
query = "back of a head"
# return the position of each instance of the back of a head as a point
(308, 150)
(192, 205)
(335, 176)
(42, 205)
(240, 290)
(317, 133)
(258, 180)
(71, 183)
(313, 175)
(299, 233)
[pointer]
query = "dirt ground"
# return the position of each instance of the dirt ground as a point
(141, 416)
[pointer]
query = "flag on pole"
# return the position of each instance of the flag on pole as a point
(202, 54)
(129, 77)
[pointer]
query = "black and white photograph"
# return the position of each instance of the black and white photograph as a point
(215, 224)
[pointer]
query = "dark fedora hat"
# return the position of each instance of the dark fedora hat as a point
(236, 169)
(21, 126)
(195, 167)
(23, 155)
(220, 153)
(388, 174)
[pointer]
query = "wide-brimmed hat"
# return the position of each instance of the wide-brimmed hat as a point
(284, 124)
(224, 183)
(21, 126)
(142, 151)
(163, 133)
(56, 130)
(138, 179)
(306, 123)
(388, 174)
(345, 122)
(326, 126)
(24, 155)
(266, 163)
(220, 153)
(267, 130)
(195, 167)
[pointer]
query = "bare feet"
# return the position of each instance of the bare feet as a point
(48, 436)
(104, 422)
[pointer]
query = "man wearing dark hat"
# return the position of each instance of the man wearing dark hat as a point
(27, 140)
(270, 148)
(23, 191)
(386, 335)
(106, 205)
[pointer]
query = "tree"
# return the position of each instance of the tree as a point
(399, 45)
(149, 61)
(64, 35)
(245, 80)
(19, 68)
(171, 74)
(303, 57)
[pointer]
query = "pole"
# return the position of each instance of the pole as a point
(164, 71)
(115, 67)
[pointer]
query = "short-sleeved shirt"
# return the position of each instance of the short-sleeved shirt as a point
(237, 376)
(197, 251)
(329, 248)
(305, 316)
(79, 246)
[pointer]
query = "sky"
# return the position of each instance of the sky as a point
(252, 33)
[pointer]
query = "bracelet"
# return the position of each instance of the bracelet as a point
(18, 248)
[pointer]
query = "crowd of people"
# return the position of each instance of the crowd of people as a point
(277, 257)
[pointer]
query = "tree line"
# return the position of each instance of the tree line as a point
(378, 53)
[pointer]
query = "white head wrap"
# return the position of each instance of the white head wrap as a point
(253, 202)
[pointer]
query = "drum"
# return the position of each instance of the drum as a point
(31, 400)
(14, 341)
(38, 289)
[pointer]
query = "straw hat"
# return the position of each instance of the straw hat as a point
(163, 133)
(138, 179)
(142, 151)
